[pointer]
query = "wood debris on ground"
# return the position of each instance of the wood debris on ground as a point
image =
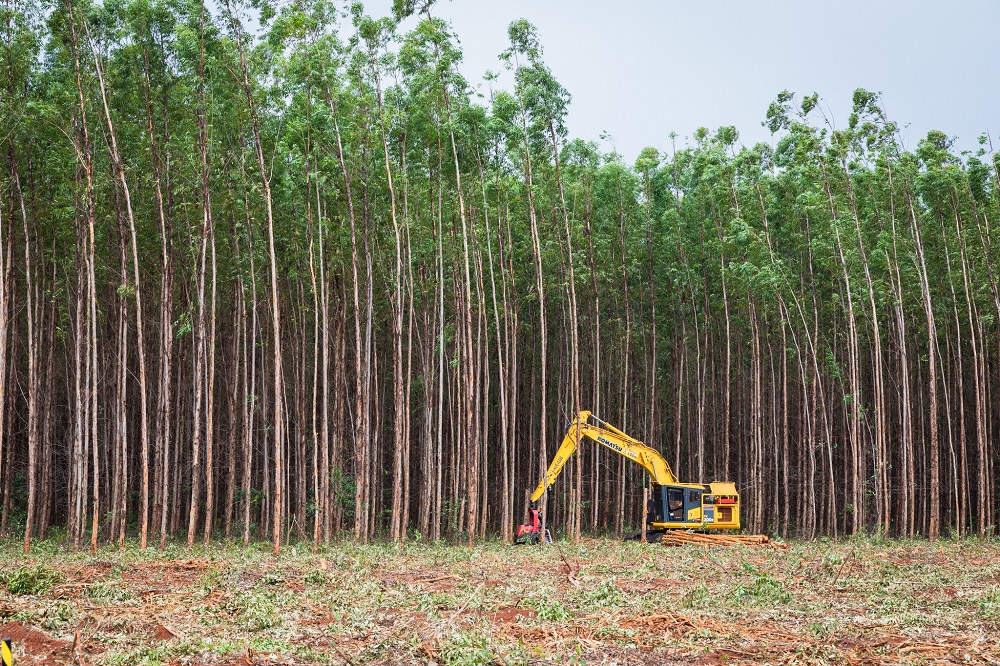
(599, 602)
(682, 537)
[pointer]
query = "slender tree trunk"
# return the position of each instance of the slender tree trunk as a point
(279, 415)
(31, 299)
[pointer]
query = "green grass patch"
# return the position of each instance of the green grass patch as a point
(764, 591)
(547, 606)
(989, 604)
(32, 581)
(107, 592)
(468, 648)
(255, 610)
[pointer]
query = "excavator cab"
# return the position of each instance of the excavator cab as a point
(677, 504)
(694, 506)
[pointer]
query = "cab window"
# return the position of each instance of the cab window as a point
(675, 504)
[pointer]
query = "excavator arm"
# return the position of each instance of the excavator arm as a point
(589, 426)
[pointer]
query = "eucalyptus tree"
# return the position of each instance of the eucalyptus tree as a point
(304, 70)
(376, 35)
(238, 34)
(85, 321)
(439, 97)
(445, 57)
(524, 44)
(20, 50)
(646, 165)
(117, 165)
(548, 102)
(150, 29)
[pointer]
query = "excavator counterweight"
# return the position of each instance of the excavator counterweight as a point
(673, 505)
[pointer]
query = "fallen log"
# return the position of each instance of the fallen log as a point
(681, 537)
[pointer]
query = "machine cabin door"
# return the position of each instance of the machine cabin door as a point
(678, 504)
(674, 504)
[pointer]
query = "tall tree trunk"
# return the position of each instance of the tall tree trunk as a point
(279, 415)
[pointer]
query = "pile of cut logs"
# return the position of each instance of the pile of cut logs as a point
(681, 537)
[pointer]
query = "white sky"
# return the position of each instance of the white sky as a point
(639, 69)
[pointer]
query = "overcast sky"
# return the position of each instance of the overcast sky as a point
(640, 69)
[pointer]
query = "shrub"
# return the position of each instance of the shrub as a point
(33, 581)
(548, 608)
(764, 590)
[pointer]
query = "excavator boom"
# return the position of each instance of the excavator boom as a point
(612, 438)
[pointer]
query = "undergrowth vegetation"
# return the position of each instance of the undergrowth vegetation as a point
(599, 601)
(30, 580)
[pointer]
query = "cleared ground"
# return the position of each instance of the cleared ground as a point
(603, 602)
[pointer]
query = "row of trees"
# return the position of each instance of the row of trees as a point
(309, 282)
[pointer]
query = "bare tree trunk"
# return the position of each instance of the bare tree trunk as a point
(250, 403)
(439, 481)
(200, 351)
(982, 418)
(505, 499)
(236, 367)
(881, 443)
(574, 335)
(976, 364)
(85, 339)
(45, 514)
(31, 299)
(319, 516)
(162, 444)
(323, 490)
(625, 379)
(934, 517)
(210, 402)
(6, 266)
(397, 529)
(907, 449)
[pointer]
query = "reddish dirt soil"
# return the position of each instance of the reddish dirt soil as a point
(33, 646)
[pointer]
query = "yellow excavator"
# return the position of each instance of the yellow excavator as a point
(673, 505)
